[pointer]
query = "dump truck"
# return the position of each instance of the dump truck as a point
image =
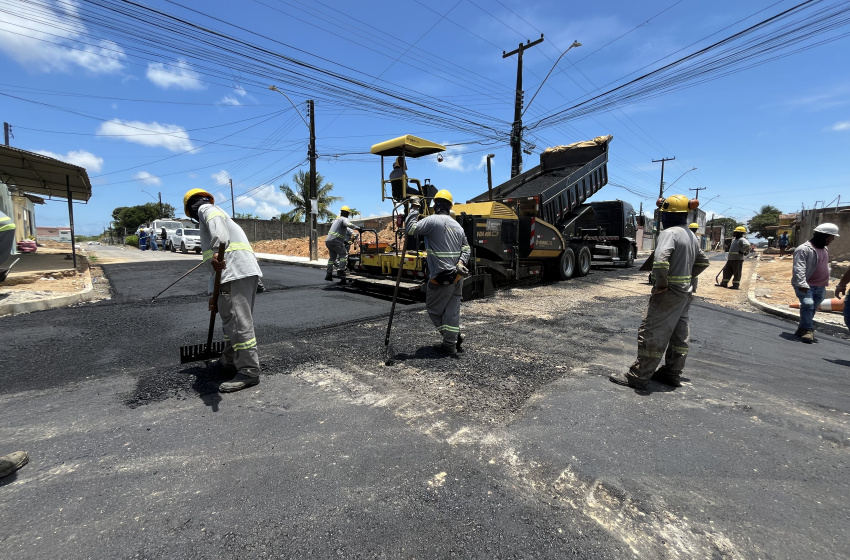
(537, 224)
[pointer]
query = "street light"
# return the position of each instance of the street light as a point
(680, 176)
(575, 44)
(157, 199)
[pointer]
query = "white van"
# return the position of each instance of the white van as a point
(170, 226)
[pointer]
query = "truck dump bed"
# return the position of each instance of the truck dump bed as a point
(565, 178)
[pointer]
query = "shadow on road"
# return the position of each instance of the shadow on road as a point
(839, 362)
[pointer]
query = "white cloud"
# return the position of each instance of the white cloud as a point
(179, 75)
(221, 178)
(169, 136)
(147, 178)
(453, 159)
(80, 158)
(266, 203)
(840, 126)
(240, 91)
(230, 100)
(49, 43)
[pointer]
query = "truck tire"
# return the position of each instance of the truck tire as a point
(171, 246)
(566, 264)
(630, 257)
(584, 260)
(183, 248)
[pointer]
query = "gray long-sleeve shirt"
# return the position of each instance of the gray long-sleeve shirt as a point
(805, 264)
(340, 229)
(217, 227)
(735, 248)
(445, 241)
(678, 259)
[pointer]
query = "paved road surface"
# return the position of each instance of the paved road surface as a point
(518, 448)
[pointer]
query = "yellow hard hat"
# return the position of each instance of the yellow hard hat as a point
(677, 203)
(740, 229)
(693, 226)
(444, 195)
(192, 193)
(345, 209)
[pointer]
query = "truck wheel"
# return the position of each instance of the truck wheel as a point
(584, 260)
(630, 257)
(171, 247)
(566, 264)
(183, 248)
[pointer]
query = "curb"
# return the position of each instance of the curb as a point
(784, 313)
(85, 295)
(308, 264)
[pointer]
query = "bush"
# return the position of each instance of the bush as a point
(132, 240)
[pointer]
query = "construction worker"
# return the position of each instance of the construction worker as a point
(338, 239)
(7, 241)
(239, 277)
(664, 331)
(810, 277)
(738, 250)
(448, 252)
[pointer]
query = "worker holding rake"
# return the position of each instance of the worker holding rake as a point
(240, 274)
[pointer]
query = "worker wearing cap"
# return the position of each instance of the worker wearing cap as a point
(664, 331)
(738, 250)
(398, 177)
(338, 240)
(448, 253)
(810, 277)
(239, 277)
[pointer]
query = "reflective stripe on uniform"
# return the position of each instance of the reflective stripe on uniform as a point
(216, 214)
(208, 255)
(660, 265)
(245, 345)
(676, 279)
(649, 354)
(237, 246)
(336, 235)
(7, 227)
(454, 254)
(681, 350)
(449, 328)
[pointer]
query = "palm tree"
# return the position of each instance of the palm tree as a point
(300, 197)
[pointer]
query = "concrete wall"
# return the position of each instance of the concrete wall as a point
(839, 250)
(259, 230)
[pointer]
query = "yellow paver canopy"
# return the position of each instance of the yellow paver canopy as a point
(409, 146)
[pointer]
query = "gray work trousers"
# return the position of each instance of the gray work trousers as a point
(236, 307)
(338, 256)
(732, 269)
(663, 333)
(443, 306)
(7, 243)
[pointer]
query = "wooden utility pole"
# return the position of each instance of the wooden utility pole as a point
(6, 128)
(696, 196)
(314, 240)
(232, 202)
(490, 176)
(516, 129)
(160, 211)
(660, 195)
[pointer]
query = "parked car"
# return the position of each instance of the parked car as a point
(186, 240)
(27, 246)
(170, 227)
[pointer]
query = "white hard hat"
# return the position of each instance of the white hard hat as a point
(828, 229)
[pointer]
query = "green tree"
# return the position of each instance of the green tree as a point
(131, 217)
(300, 198)
(728, 223)
(768, 216)
(246, 216)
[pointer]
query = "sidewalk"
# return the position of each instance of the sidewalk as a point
(46, 280)
(297, 261)
(824, 321)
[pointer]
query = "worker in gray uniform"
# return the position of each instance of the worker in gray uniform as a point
(738, 250)
(239, 276)
(448, 253)
(664, 331)
(338, 239)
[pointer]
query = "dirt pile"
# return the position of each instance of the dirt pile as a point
(300, 246)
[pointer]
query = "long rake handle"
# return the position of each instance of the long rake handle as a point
(395, 298)
(216, 290)
(194, 268)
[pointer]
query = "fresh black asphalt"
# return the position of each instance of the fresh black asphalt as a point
(517, 448)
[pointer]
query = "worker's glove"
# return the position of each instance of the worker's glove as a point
(461, 269)
(414, 201)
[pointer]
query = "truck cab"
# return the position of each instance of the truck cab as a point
(170, 226)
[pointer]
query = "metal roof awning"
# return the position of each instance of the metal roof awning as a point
(43, 176)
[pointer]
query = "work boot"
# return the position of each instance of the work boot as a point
(664, 376)
(342, 273)
(623, 379)
(460, 339)
(799, 332)
(808, 336)
(724, 284)
(12, 462)
(735, 287)
(447, 348)
(238, 383)
(329, 278)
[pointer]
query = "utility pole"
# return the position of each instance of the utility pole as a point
(516, 129)
(660, 195)
(160, 207)
(490, 176)
(696, 196)
(6, 128)
(232, 202)
(314, 243)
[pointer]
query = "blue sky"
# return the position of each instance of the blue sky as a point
(162, 118)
